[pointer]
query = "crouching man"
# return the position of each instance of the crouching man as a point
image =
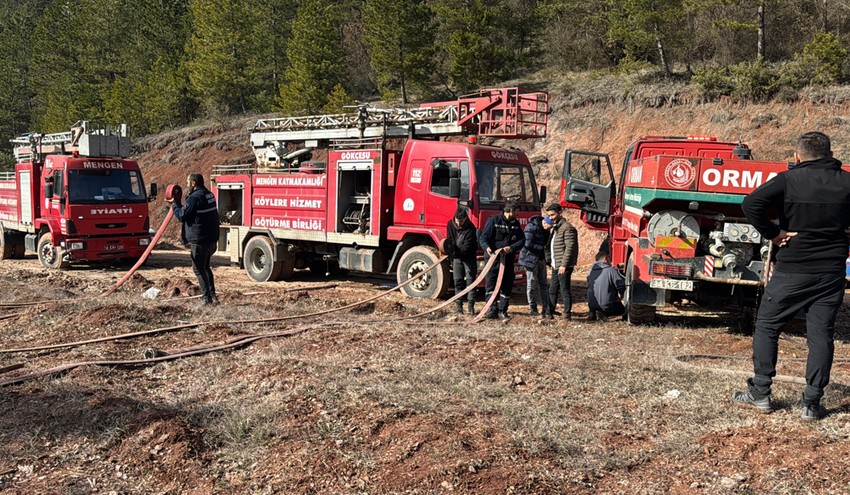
(605, 289)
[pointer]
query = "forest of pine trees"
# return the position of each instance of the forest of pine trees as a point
(159, 64)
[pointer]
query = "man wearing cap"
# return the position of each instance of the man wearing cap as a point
(502, 234)
(564, 247)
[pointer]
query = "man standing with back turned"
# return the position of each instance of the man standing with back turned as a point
(813, 201)
(200, 231)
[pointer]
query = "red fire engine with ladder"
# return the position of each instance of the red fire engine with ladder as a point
(74, 196)
(373, 190)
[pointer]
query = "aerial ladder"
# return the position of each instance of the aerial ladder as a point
(101, 142)
(507, 113)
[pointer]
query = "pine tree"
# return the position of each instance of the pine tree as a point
(316, 58)
(400, 39)
(473, 52)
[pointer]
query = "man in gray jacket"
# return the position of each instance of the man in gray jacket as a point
(564, 248)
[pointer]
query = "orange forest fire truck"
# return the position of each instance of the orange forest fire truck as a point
(674, 220)
(373, 191)
(74, 196)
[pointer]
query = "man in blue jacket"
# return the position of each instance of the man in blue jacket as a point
(533, 259)
(502, 234)
(813, 201)
(200, 231)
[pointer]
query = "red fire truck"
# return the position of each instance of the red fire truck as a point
(74, 196)
(674, 220)
(373, 190)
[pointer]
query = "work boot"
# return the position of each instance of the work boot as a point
(503, 315)
(459, 307)
(591, 316)
(491, 315)
(567, 316)
(812, 411)
(532, 310)
(470, 307)
(746, 398)
(547, 315)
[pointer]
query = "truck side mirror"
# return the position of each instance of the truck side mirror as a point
(152, 194)
(48, 191)
(543, 195)
(454, 183)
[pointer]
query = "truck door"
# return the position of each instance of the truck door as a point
(439, 206)
(588, 184)
(56, 203)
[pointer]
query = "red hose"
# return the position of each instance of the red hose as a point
(172, 192)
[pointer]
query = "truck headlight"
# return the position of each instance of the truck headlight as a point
(76, 246)
(144, 241)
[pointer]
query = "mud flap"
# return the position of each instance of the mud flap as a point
(645, 295)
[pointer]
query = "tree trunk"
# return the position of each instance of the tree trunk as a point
(760, 55)
(825, 23)
(663, 58)
(403, 67)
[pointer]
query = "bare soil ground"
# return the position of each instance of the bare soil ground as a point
(364, 404)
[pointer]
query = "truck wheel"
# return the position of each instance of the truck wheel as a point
(20, 251)
(434, 284)
(7, 249)
(259, 260)
(287, 268)
(636, 314)
(50, 255)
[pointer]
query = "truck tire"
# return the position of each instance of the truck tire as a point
(7, 248)
(50, 255)
(259, 260)
(434, 284)
(636, 314)
(287, 268)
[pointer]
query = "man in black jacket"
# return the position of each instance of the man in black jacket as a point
(502, 234)
(200, 231)
(462, 246)
(813, 201)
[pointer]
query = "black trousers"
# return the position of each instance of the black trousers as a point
(820, 296)
(201, 254)
(561, 283)
(464, 272)
(507, 284)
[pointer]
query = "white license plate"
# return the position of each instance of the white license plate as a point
(670, 284)
(114, 247)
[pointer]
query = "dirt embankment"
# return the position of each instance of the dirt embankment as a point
(769, 129)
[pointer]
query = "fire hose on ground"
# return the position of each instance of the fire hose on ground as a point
(153, 356)
(172, 192)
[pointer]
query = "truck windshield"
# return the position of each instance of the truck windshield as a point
(105, 186)
(498, 182)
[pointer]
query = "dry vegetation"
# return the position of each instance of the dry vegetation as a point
(365, 404)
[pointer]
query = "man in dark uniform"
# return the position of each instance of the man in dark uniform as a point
(200, 229)
(813, 201)
(502, 233)
(462, 247)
